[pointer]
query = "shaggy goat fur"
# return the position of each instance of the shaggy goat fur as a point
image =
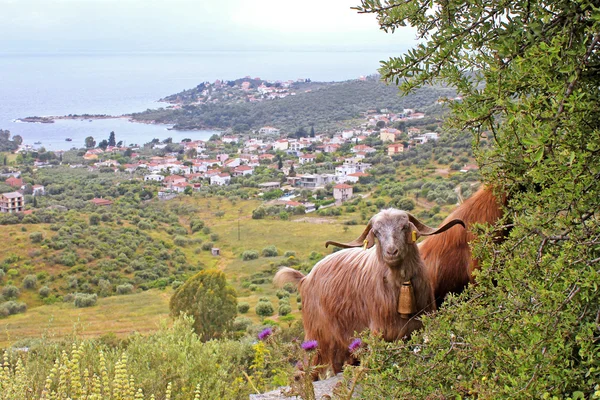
(358, 288)
(447, 257)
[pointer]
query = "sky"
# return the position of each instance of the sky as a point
(48, 26)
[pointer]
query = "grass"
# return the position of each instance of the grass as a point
(121, 315)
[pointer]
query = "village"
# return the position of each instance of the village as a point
(218, 161)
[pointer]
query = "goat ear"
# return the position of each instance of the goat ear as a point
(366, 238)
(424, 230)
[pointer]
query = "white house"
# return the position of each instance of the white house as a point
(281, 144)
(220, 179)
(268, 130)
(342, 192)
(154, 177)
(243, 170)
(307, 158)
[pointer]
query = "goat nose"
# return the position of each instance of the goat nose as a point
(392, 252)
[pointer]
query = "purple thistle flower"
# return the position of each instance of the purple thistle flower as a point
(265, 333)
(356, 343)
(309, 345)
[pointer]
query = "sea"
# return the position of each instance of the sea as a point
(54, 84)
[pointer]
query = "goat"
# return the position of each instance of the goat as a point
(447, 257)
(359, 287)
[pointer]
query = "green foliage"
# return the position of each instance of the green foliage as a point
(12, 307)
(264, 308)
(36, 237)
(269, 251)
(243, 307)
(10, 292)
(527, 78)
(125, 289)
(29, 282)
(248, 255)
(209, 300)
(82, 300)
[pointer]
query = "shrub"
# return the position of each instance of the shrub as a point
(243, 307)
(10, 292)
(176, 284)
(241, 324)
(180, 241)
(125, 289)
(270, 251)
(209, 299)
(253, 287)
(81, 300)
(282, 294)
(249, 255)
(214, 237)
(11, 308)
(289, 287)
(284, 309)
(289, 253)
(207, 246)
(264, 308)
(44, 292)
(30, 282)
(36, 237)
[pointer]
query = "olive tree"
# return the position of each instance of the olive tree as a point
(207, 298)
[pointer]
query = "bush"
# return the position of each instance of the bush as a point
(207, 298)
(284, 309)
(30, 282)
(180, 241)
(125, 289)
(243, 307)
(36, 237)
(270, 251)
(11, 308)
(289, 253)
(10, 292)
(282, 294)
(207, 246)
(241, 324)
(289, 287)
(264, 309)
(44, 292)
(81, 300)
(249, 255)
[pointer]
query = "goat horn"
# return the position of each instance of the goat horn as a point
(425, 230)
(358, 242)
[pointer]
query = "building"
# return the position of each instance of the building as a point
(307, 158)
(14, 182)
(342, 192)
(101, 202)
(268, 130)
(12, 202)
(220, 179)
(388, 135)
(395, 148)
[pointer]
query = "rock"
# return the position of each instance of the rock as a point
(323, 390)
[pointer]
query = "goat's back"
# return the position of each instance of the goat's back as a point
(447, 256)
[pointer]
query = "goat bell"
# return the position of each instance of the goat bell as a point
(406, 301)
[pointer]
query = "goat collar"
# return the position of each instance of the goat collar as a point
(406, 301)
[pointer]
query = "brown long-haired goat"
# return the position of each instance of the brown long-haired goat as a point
(359, 287)
(447, 257)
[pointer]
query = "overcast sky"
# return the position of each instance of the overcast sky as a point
(191, 25)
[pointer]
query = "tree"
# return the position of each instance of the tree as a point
(527, 73)
(17, 139)
(90, 143)
(206, 297)
(103, 144)
(111, 139)
(312, 131)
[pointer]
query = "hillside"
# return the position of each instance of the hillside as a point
(325, 107)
